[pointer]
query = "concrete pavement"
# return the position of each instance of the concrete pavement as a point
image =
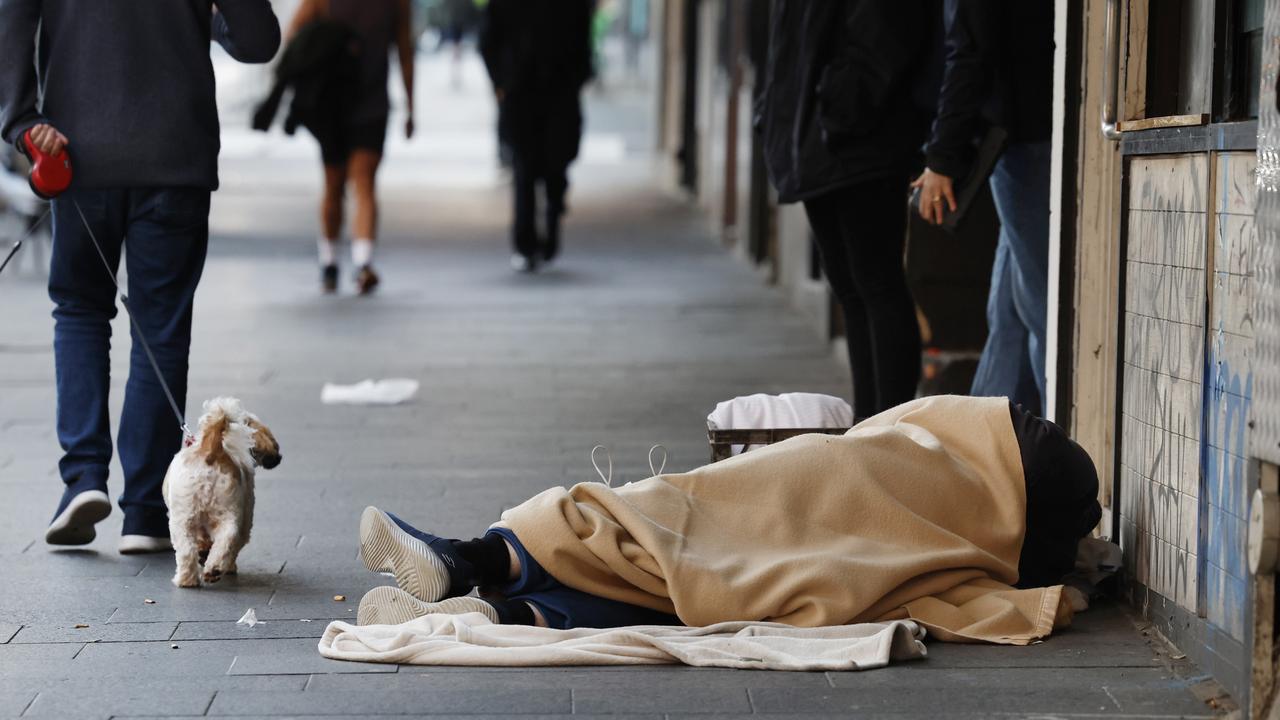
(628, 341)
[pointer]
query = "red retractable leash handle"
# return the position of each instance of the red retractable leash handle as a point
(50, 174)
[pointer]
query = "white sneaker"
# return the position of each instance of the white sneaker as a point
(387, 605)
(142, 544)
(74, 525)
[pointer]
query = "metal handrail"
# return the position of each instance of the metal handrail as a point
(1110, 69)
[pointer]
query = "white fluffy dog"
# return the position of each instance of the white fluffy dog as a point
(209, 490)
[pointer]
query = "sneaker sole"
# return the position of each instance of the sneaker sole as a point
(387, 605)
(384, 547)
(144, 545)
(74, 525)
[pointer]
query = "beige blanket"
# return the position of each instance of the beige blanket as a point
(472, 640)
(916, 513)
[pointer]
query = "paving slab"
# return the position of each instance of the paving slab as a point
(495, 701)
(92, 633)
(78, 704)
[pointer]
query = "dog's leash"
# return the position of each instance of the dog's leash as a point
(31, 230)
(187, 437)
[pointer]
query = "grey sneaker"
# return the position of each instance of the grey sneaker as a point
(388, 605)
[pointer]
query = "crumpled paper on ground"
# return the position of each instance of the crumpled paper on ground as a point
(391, 391)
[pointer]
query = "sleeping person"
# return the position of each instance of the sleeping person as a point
(960, 513)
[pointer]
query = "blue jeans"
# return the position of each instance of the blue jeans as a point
(167, 233)
(1012, 362)
(565, 608)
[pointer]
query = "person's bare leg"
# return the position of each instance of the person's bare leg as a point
(335, 182)
(331, 207)
(362, 169)
(514, 572)
(538, 619)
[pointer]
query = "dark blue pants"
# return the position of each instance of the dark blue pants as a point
(163, 235)
(565, 608)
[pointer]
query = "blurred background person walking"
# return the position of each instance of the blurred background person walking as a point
(539, 56)
(999, 71)
(841, 132)
(352, 127)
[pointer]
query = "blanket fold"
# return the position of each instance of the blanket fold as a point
(916, 513)
(472, 639)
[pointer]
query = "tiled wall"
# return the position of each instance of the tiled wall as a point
(1187, 383)
(1161, 404)
(1229, 390)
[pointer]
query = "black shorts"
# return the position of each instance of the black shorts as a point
(338, 142)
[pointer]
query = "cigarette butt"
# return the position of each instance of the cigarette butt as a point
(149, 601)
(339, 598)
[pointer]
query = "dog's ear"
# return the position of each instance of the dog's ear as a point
(266, 450)
(211, 441)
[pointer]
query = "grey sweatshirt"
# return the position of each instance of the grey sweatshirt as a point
(129, 82)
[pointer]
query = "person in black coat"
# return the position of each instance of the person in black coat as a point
(539, 55)
(842, 131)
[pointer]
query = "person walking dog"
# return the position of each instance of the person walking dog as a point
(127, 89)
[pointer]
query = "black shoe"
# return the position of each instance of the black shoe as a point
(550, 248)
(329, 279)
(366, 280)
(524, 263)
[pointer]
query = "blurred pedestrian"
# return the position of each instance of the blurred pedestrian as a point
(841, 133)
(352, 139)
(538, 53)
(999, 70)
(127, 89)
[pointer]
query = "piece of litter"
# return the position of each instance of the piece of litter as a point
(304, 620)
(339, 598)
(173, 646)
(392, 391)
(149, 601)
(1177, 657)
(249, 618)
(81, 626)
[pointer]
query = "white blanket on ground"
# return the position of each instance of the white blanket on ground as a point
(472, 639)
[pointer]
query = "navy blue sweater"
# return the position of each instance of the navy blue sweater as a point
(129, 82)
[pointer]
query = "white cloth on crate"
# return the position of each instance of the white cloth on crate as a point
(788, 410)
(473, 640)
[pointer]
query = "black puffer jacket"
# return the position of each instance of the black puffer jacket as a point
(839, 103)
(998, 70)
(538, 52)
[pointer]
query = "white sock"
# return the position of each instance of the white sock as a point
(328, 251)
(361, 251)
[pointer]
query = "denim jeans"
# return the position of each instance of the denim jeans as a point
(565, 608)
(163, 235)
(1012, 362)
